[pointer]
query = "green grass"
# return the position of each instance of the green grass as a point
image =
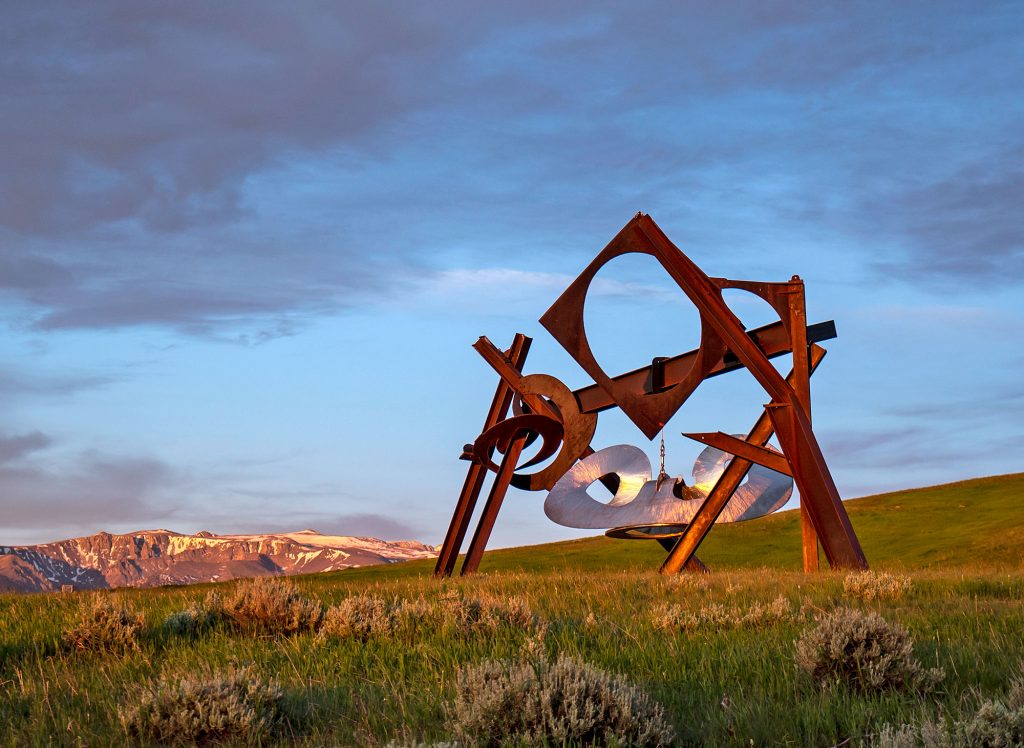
(960, 543)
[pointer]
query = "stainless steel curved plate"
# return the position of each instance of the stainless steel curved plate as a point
(640, 502)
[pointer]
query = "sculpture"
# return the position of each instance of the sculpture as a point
(565, 421)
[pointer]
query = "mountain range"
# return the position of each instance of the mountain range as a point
(151, 558)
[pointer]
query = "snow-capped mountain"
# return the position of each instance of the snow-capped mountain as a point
(150, 558)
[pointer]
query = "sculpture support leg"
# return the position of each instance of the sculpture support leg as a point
(727, 484)
(817, 490)
(490, 512)
(463, 513)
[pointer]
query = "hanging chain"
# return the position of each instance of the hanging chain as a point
(662, 475)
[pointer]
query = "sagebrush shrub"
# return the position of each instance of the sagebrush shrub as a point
(717, 617)
(995, 724)
(864, 652)
(272, 605)
(876, 585)
(928, 734)
(190, 622)
(540, 703)
(104, 625)
(360, 617)
(999, 723)
(234, 705)
(455, 612)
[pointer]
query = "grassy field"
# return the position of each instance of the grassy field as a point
(597, 600)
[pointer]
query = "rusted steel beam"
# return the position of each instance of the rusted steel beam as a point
(727, 484)
(746, 450)
(694, 565)
(772, 339)
(511, 376)
(808, 540)
(831, 522)
(796, 307)
(503, 394)
(499, 488)
(817, 489)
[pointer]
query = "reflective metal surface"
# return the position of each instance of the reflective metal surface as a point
(640, 508)
(764, 491)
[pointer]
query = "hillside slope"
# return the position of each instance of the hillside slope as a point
(979, 521)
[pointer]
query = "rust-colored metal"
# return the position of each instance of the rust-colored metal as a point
(829, 517)
(746, 450)
(499, 488)
(727, 484)
(500, 436)
(772, 339)
(449, 552)
(651, 395)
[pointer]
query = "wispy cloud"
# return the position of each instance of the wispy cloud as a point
(16, 446)
(83, 494)
(174, 167)
(20, 383)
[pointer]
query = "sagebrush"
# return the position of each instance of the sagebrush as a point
(876, 585)
(715, 617)
(864, 652)
(105, 625)
(213, 707)
(997, 723)
(360, 617)
(191, 622)
(269, 604)
(537, 703)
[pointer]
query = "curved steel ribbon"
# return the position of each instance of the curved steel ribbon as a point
(641, 501)
(501, 435)
(577, 430)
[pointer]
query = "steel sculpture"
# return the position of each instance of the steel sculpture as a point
(676, 515)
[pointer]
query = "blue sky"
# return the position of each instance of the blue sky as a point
(245, 249)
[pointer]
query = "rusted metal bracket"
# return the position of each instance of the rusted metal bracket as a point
(752, 452)
(447, 556)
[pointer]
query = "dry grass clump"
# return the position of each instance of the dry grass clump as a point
(996, 724)
(685, 582)
(876, 585)
(864, 652)
(191, 622)
(365, 616)
(105, 625)
(565, 702)
(198, 710)
(360, 617)
(268, 604)
(928, 734)
(717, 617)
(455, 612)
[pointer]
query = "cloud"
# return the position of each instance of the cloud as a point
(90, 491)
(233, 176)
(964, 228)
(17, 446)
(15, 383)
(987, 406)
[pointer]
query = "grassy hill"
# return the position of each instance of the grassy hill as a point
(716, 651)
(969, 523)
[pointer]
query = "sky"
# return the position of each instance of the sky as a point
(245, 248)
